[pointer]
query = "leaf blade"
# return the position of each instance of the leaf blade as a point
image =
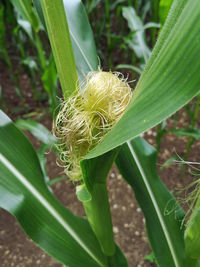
(82, 38)
(137, 163)
(137, 42)
(23, 192)
(58, 33)
(168, 83)
(38, 130)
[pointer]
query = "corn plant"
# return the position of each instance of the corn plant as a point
(137, 40)
(3, 50)
(169, 80)
(6, 14)
(30, 28)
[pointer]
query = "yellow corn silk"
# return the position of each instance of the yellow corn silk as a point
(87, 115)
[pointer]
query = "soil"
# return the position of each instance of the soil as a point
(17, 250)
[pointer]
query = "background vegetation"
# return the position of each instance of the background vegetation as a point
(124, 33)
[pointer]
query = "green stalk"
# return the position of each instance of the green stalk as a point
(40, 51)
(111, 261)
(155, 18)
(97, 209)
(136, 4)
(21, 47)
(108, 25)
(161, 131)
(98, 213)
(33, 86)
(192, 233)
(191, 140)
(196, 112)
(59, 36)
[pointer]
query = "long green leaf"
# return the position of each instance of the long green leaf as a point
(192, 132)
(137, 163)
(37, 129)
(164, 7)
(28, 19)
(173, 16)
(137, 42)
(58, 33)
(38, 7)
(24, 7)
(171, 80)
(22, 19)
(3, 50)
(81, 36)
(50, 83)
(192, 233)
(23, 192)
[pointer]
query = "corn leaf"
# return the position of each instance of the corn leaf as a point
(24, 8)
(3, 50)
(23, 192)
(164, 7)
(137, 42)
(58, 32)
(50, 83)
(81, 36)
(192, 233)
(171, 78)
(192, 132)
(137, 163)
(38, 130)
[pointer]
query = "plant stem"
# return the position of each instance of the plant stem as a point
(196, 112)
(136, 4)
(130, 3)
(98, 213)
(191, 139)
(194, 120)
(161, 131)
(40, 51)
(108, 33)
(155, 18)
(111, 261)
(21, 47)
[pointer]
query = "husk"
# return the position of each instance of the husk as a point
(87, 115)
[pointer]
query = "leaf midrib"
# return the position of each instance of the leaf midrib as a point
(47, 205)
(79, 47)
(159, 213)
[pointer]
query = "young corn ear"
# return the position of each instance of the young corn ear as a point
(88, 115)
